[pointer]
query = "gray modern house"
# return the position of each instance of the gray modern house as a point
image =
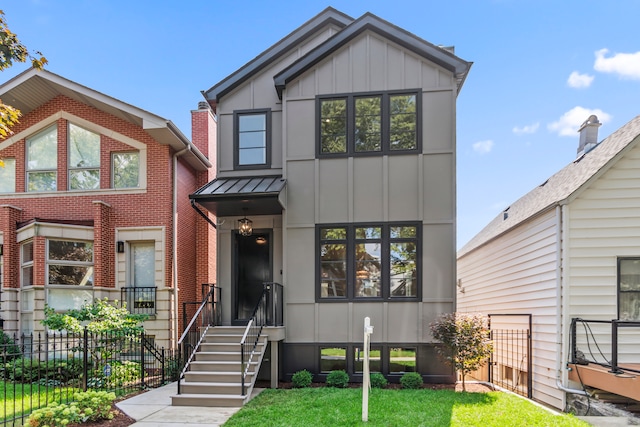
(336, 179)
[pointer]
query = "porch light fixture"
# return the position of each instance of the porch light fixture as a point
(245, 226)
(120, 246)
(261, 240)
(1, 249)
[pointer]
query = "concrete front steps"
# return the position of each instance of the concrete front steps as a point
(214, 377)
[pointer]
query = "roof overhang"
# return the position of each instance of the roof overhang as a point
(256, 195)
(33, 88)
(438, 55)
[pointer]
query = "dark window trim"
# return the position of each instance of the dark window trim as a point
(618, 291)
(385, 359)
(384, 254)
(236, 139)
(385, 150)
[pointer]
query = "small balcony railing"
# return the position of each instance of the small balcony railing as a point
(140, 300)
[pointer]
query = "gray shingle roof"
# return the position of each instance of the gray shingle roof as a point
(561, 186)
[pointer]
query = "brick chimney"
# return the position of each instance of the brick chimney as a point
(588, 135)
(203, 133)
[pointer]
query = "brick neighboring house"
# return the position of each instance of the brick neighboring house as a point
(94, 203)
(338, 143)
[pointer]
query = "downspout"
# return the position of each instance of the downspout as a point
(173, 322)
(562, 307)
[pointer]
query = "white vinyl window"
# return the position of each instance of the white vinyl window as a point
(8, 176)
(84, 159)
(42, 160)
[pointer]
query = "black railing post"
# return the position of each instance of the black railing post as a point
(614, 347)
(142, 358)
(530, 359)
(573, 340)
(85, 359)
(162, 377)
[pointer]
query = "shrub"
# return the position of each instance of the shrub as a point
(8, 348)
(411, 380)
(24, 370)
(378, 380)
(123, 373)
(88, 406)
(339, 379)
(302, 379)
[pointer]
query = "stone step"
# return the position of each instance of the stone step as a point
(228, 388)
(224, 347)
(219, 377)
(220, 366)
(208, 400)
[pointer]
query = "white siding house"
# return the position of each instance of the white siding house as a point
(556, 254)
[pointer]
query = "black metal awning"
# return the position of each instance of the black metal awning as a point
(255, 195)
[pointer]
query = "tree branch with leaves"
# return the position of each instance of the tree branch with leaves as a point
(11, 51)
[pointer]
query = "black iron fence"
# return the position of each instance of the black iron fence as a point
(36, 370)
(510, 364)
(609, 343)
(140, 300)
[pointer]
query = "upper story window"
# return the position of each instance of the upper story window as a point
(629, 289)
(125, 170)
(42, 160)
(26, 264)
(360, 262)
(8, 176)
(369, 123)
(84, 159)
(252, 139)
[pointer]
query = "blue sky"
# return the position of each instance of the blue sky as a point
(540, 68)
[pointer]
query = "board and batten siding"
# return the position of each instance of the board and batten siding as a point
(603, 225)
(516, 274)
(408, 187)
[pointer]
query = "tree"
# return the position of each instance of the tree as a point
(12, 50)
(465, 338)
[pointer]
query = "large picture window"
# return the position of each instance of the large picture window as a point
(42, 160)
(84, 159)
(368, 123)
(252, 138)
(629, 289)
(368, 261)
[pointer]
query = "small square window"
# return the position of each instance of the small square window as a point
(333, 359)
(402, 359)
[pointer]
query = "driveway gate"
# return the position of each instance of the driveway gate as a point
(510, 364)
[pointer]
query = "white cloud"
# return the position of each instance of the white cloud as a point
(532, 128)
(578, 81)
(626, 65)
(483, 147)
(570, 121)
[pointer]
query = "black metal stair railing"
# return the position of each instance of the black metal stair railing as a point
(599, 342)
(208, 314)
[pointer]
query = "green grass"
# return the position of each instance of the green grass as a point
(343, 407)
(19, 399)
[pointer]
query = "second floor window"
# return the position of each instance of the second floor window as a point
(84, 159)
(42, 160)
(252, 139)
(8, 176)
(369, 123)
(125, 169)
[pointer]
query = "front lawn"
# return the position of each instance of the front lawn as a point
(343, 407)
(18, 399)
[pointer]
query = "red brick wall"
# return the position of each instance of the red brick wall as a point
(151, 208)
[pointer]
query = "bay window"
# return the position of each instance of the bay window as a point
(69, 273)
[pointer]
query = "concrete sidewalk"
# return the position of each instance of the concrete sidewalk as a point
(153, 408)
